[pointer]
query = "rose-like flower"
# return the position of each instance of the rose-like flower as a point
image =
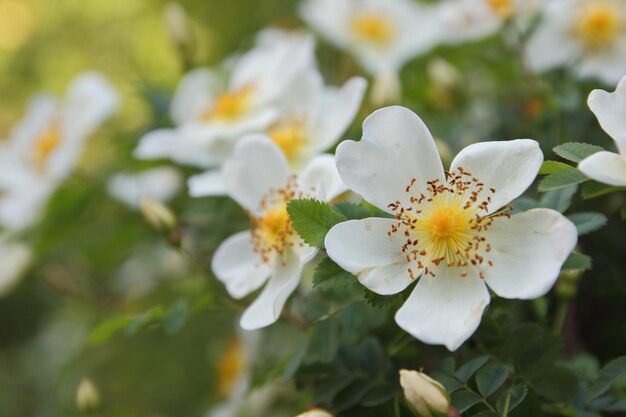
(258, 177)
(610, 109)
(45, 146)
(452, 232)
(424, 396)
(157, 184)
(587, 34)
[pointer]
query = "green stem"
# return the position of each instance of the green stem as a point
(507, 402)
(559, 317)
(396, 407)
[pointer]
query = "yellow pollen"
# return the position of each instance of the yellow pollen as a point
(290, 136)
(503, 8)
(229, 106)
(45, 144)
(275, 224)
(372, 28)
(599, 25)
(229, 367)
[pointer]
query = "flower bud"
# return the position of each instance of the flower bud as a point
(87, 396)
(424, 396)
(316, 412)
(177, 24)
(157, 214)
(386, 88)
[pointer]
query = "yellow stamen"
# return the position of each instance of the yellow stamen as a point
(229, 368)
(290, 136)
(373, 28)
(45, 144)
(229, 106)
(599, 24)
(503, 8)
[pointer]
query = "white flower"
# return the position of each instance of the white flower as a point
(587, 34)
(610, 109)
(424, 396)
(381, 34)
(210, 116)
(259, 179)
(316, 412)
(45, 146)
(14, 259)
(314, 118)
(450, 233)
(159, 184)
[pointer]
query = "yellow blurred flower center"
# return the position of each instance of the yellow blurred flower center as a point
(599, 25)
(445, 225)
(503, 8)
(229, 367)
(45, 144)
(372, 28)
(290, 136)
(230, 106)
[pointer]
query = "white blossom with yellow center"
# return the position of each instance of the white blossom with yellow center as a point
(259, 178)
(44, 147)
(212, 113)
(451, 232)
(610, 109)
(589, 35)
(313, 118)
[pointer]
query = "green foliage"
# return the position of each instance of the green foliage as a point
(577, 261)
(515, 395)
(548, 167)
(560, 179)
(312, 219)
(329, 276)
(353, 211)
(607, 376)
(559, 199)
(588, 222)
(593, 189)
(490, 378)
(576, 151)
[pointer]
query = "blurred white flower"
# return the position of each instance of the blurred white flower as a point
(587, 34)
(313, 119)
(316, 412)
(14, 259)
(424, 396)
(212, 115)
(450, 232)
(45, 146)
(159, 184)
(258, 177)
(87, 396)
(381, 34)
(610, 109)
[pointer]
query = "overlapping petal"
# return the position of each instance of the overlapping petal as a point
(605, 167)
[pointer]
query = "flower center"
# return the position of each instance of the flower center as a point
(503, 8)
(229, 106)
(372, 28)
(290, 136)
(446, 225)
(273, 232)
(45, 144)
(229, 367)
(599, 25)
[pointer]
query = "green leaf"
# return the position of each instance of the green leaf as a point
(329, 276)
(352, 211)
(560, 199)
(517, 394)
(622, 212)
(548, 167)
(324, 342)
(588, 222)
(562, 179)
(490, 378)
(312, 219)
(577, 261)
(576, 151)
(465, 371)
(105, 330)
(176, 317)
(607, 375)
(556, 384)
(593, 189)
(463, 400)
(377, 300)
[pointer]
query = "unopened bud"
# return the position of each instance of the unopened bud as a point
(316, 412)
(567, 284)
(424, 396)
(157, 214)
(386, 88)
(87, 396)
(177, 24)
(442, 73)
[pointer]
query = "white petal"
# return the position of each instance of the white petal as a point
(257, 166)
(266, 309)
(608, 67)
(509, 167)
(209, 183)
(396, 147)
(322, 173)
(610, 109)
(364, 248)
(194, 95)
(528, 251)
(605, 167)
(159, 184)
(15, 258)
(177, 145)
(445, 309)
(237, 265)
